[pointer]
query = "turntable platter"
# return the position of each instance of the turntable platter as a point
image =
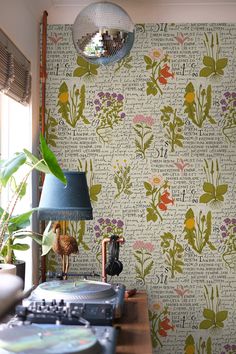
(36, 339)
(80, 290)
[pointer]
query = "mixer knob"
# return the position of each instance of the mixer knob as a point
(61, 303)
(43, 302)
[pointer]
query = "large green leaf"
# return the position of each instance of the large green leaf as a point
(20, 221)
(10, 166)
(20, 247)
(40, 166)
(51, 160)
(48, 238)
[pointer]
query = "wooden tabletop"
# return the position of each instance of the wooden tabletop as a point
(134, 330)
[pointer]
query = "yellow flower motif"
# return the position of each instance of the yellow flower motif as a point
(189, 97)
(156, 53)
(157, 306)
(190, 223)
(155, 180)
(63, 97)
(190, 349)
(114, 167)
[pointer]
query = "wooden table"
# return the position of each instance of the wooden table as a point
(134, 331)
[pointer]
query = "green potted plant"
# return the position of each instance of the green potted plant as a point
(13, 227)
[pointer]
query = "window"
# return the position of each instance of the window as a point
(15, 135)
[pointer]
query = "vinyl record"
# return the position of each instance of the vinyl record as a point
(73, 291)
(48, 339)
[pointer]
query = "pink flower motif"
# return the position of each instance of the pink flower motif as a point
(138, 119)
(148, 246)
(138, 244)
(149, 121)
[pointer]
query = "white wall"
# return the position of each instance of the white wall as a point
(154, 11)
(23, 29)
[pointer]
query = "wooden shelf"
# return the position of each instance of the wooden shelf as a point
(133, 327)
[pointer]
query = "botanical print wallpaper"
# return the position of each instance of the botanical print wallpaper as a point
(156, 135)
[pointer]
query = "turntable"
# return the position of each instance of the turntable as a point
(51, 339)
(97, 302)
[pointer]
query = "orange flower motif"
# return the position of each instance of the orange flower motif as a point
(165, 326)
(162, 206)
(165, 71)
(165, 198)
(190, 224)
(63, 97)
(162, 80)
(190, 349)
(189, 97)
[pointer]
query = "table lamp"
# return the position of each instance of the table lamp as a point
(65, 202)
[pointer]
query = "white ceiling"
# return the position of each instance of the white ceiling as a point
(64, 11)
(85, 2)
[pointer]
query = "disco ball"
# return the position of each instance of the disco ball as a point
(103, 33)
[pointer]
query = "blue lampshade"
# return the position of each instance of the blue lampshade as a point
(65, 202)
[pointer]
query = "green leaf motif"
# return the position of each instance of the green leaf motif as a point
(151, 217)
(209, 61)
(221, 189)
(221, 64)
(79, 72)
(147, 60)
(94, 191)
(209, 188)
(63, 88)
(206, 324)
(209, 346)
(221, 316)
(209, 314)
(206, 198)
(148, 269)
(206, 71)
(148, 186)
